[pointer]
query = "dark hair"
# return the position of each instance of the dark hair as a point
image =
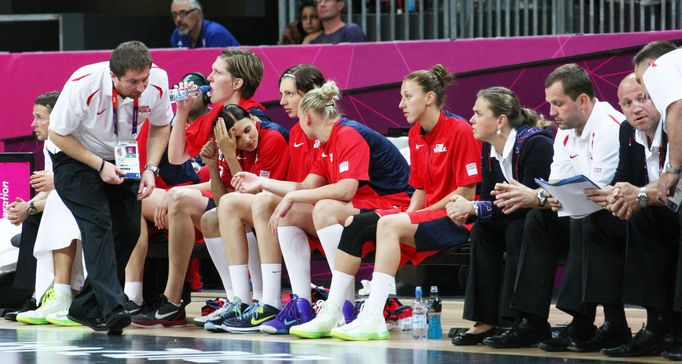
(653, 51)
(574, 80)
(132, 55)
(232, 113)
(244, 64)
(299, 24)
(306, 76)
(503, 101)
(200, 80)
(436, 79)
(47, 99)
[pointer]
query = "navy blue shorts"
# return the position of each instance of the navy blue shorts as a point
(440, 234)
(210, 205)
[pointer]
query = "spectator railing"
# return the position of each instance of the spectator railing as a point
(449, 19)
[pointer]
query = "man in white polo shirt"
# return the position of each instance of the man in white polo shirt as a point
(97, 173)
(587, 144)
(658, 67)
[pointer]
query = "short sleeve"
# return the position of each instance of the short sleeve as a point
(466, 164)
(273, 156)
(69, 110)
(351, 158)
(162, 114)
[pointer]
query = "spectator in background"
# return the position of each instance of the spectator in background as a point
(306, 29)
(193, 31)
(334, 30)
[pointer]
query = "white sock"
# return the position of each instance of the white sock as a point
(133, 290)
(217, 252)
(382, 285)
(272, 284)
(296, 253)
(340, 283)
(330, 237)
(240, 282)
(254, 267)
(62, 290)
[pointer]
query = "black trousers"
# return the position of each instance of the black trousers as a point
(25, 276)
(493, 263)
(109, 219)
(604, 238)
(651, 258)
(547, 238)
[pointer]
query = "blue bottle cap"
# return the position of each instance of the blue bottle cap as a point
(418, 291)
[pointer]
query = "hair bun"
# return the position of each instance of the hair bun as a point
(442, 75)
(329, 92)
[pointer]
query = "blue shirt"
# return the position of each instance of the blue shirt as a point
(349, 33)
(212, 35)
(388, 170)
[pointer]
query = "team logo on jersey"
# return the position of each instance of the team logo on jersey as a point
(296, 145)
(418, 146)
(264, 174)
(331, 157)
(317, 144)
(440, 148)
(145, 109)
(343, 167)
(471, 169)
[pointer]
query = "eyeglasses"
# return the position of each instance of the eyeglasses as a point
(181, 13)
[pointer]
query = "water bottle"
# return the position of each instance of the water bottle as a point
(435, 306)
(418, 315)
(182, 94)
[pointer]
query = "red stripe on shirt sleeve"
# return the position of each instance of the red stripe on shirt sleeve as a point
(87, 102)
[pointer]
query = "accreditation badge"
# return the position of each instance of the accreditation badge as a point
(127, 159)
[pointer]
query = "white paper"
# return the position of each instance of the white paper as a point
(571, 193)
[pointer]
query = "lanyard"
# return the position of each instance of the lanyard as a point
(114, 105)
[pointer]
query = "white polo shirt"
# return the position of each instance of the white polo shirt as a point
(84, 108)
(593, 153)
(653, 152)
(663, 79)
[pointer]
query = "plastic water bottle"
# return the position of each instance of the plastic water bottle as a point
(435, 331)
(419, 315)
(182, 94)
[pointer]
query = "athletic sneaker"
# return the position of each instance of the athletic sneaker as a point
(133, 308)
(29, 304)
(52, 302)
(369, 325)
(350, 312)
(229, 311)
(329, 317)
(164, 314)
(251, 319)
(61, 319)
(296, 312)
(212, 306)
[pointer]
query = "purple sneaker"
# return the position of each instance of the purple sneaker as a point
(297, 311)
(350, 313)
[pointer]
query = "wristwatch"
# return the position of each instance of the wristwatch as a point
(642, 198)
(152, 168)
(670, 169)
(32, 210)
(542, 198)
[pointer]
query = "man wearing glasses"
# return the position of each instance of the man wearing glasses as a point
(193, 31)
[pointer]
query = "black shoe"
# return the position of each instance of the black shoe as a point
(645, 343)
(227, 312)
(565, 338)
(673, 348)
(520, 336)
(96, 324)
(133, 308)
(465, 339)
(117, 321)
(251, 319)
(29, 305)
(164, 314)
(608, 336)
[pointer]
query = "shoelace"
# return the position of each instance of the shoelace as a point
(317, 307)
(47, 296)
(288, 311)
(250, 311)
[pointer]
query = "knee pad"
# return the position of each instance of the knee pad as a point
(363, 228)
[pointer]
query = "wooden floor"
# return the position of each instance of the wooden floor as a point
(451, 317)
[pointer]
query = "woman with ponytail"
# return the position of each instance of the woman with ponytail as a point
(445, 160)
(514, 151)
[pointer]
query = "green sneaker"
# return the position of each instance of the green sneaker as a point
(370, 325)
(52, 302)
(321, 326)
(61, 319)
